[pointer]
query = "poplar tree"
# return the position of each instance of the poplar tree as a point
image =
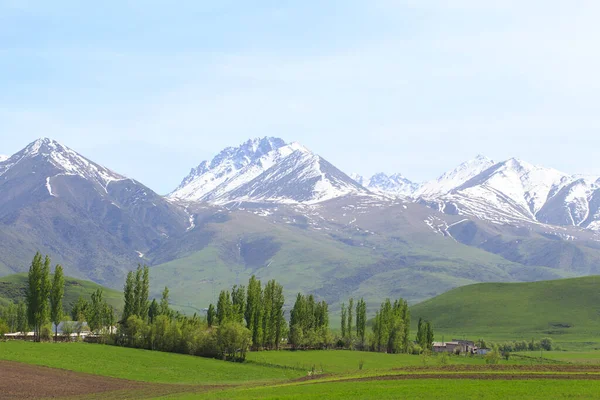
(238, 300)
(343, 321)
(164, 303)
(254, 311)
(224, 308)
(143, 301)
(129, 295)
(38, 291)
(361, 320)
(350, 310)
(56, 298)
(210, 315)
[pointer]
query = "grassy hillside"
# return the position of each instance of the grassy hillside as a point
(566, 310)
(335, 253)
(13, 288)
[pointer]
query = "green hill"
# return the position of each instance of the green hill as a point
(568, 310)
(13, 288)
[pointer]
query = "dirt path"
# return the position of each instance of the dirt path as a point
(23, 381)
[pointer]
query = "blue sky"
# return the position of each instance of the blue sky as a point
(151, 88)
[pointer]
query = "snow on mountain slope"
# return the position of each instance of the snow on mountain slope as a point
(525, 184)
(266, 169)
(395, 184)
(515, 190)
(453, 179)
(3, 158)
(301, 177)
(63, 161)
(231, 167)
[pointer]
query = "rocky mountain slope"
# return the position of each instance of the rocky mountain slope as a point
(93, 220)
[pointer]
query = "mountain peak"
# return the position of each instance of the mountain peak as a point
(235, 172)
(43, 146)
(51, 158)
(455, 178)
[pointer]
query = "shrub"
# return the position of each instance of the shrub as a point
(444, 358)
(546, 344)
(492, 358)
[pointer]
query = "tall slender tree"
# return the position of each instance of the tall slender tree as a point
(38, 291)
(254, 311)
(350, 318)
(56, 298)
(129, 296)
(361, 320)
(344, 321)
(164, 303)
(224, 308)
(144, 301)
(211, 315)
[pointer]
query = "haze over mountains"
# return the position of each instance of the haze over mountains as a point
(278, 210)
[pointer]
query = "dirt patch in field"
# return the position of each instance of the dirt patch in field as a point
(23, 381)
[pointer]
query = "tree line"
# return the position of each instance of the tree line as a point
(244, 318)
(43, 305)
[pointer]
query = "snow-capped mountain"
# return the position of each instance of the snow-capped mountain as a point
(3, 158)
(453, 179)
(266, 170)
(47, 155)
(515, 190)
(55, 200)
(395, 184)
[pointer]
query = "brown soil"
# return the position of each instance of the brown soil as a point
(22, 381)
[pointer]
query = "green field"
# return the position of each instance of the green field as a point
(13, 288)
(139, 365)
(565, 310)
(413, 389)
(284, 374)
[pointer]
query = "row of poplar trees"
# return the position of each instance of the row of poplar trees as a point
(44, 296)
(259, 309)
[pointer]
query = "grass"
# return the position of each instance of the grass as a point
(343, 361)
(413, 389)
(565, 310)
(275, 374)
(13, 289)
(575, 357)
(139, 365)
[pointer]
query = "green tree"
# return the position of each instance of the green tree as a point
(254, 309)
(429, 335)
(153, 311)
(38, 291)
(79, 311)
(344, 317)
(164, 303)
(211, 315)
(144, 301)
(56, 298)
(224, 308)
(129, 297)
(233, 340)
(361, 320)
(350, 318)
(238, 300)
(95, 312)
